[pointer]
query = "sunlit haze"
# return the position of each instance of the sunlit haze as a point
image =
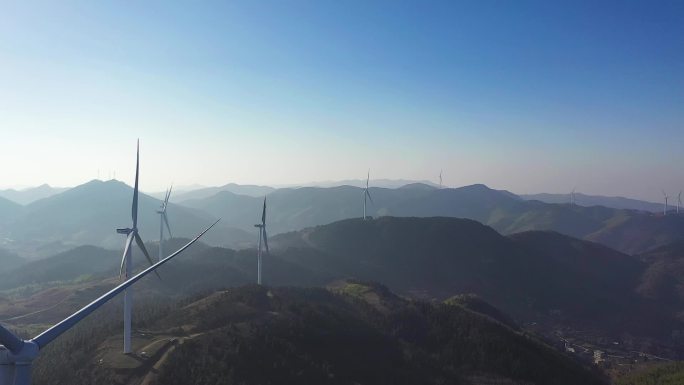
(524, 96)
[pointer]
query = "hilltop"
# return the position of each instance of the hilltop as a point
(252, 335)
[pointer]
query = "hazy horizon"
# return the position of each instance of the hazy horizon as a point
(381, 183)
(528, 97)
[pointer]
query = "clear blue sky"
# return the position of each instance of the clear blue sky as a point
(526, 96)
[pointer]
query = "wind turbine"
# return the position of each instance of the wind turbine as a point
(440, 178)
(17, 355)
(366, 195)
(127, 259)
(262, 235)
(679, 201)
(163, 219)
(572, 197)
(665, 208)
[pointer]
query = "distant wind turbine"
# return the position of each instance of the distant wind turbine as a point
(127, 259)
(264, 237)
(679, 201)
(164, 220)
(573, 202)
(666, 198)
(366, 195)
(17, 355)
(440, 178)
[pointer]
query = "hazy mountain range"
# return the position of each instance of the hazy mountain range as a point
(89, 214)
(383, 183)
(249, 190)
(8, 210)
(289, 209)
(598, 200)
(196, 191)
(31, 194)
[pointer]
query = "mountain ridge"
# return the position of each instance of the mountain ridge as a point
(292, 209)
(31, 194)
(90, 213)
(616, 202)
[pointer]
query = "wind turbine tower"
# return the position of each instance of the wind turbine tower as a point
(440, 178)
(126, 261)
(262, 236)
(164, 220)
(573, 202)
(366, 195)
(665, 207)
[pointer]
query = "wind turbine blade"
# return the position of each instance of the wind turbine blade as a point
(49, 335)
(263, 213)
(129, 240)
(134, 207)
(368, 178)
(369, 197)
(11, 342)
(167, 196)
(163, 201)
(141, 245)
(266, 241)
(166, 220)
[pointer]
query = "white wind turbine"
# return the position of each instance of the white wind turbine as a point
(17, 355)
(572, 197)
(164, 220)
(366, 195)
(127, 259)
(666, 198)
(262, 235)
(440, 178)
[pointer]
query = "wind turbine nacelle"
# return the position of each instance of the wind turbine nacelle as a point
(26, 355)
(123, 231)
